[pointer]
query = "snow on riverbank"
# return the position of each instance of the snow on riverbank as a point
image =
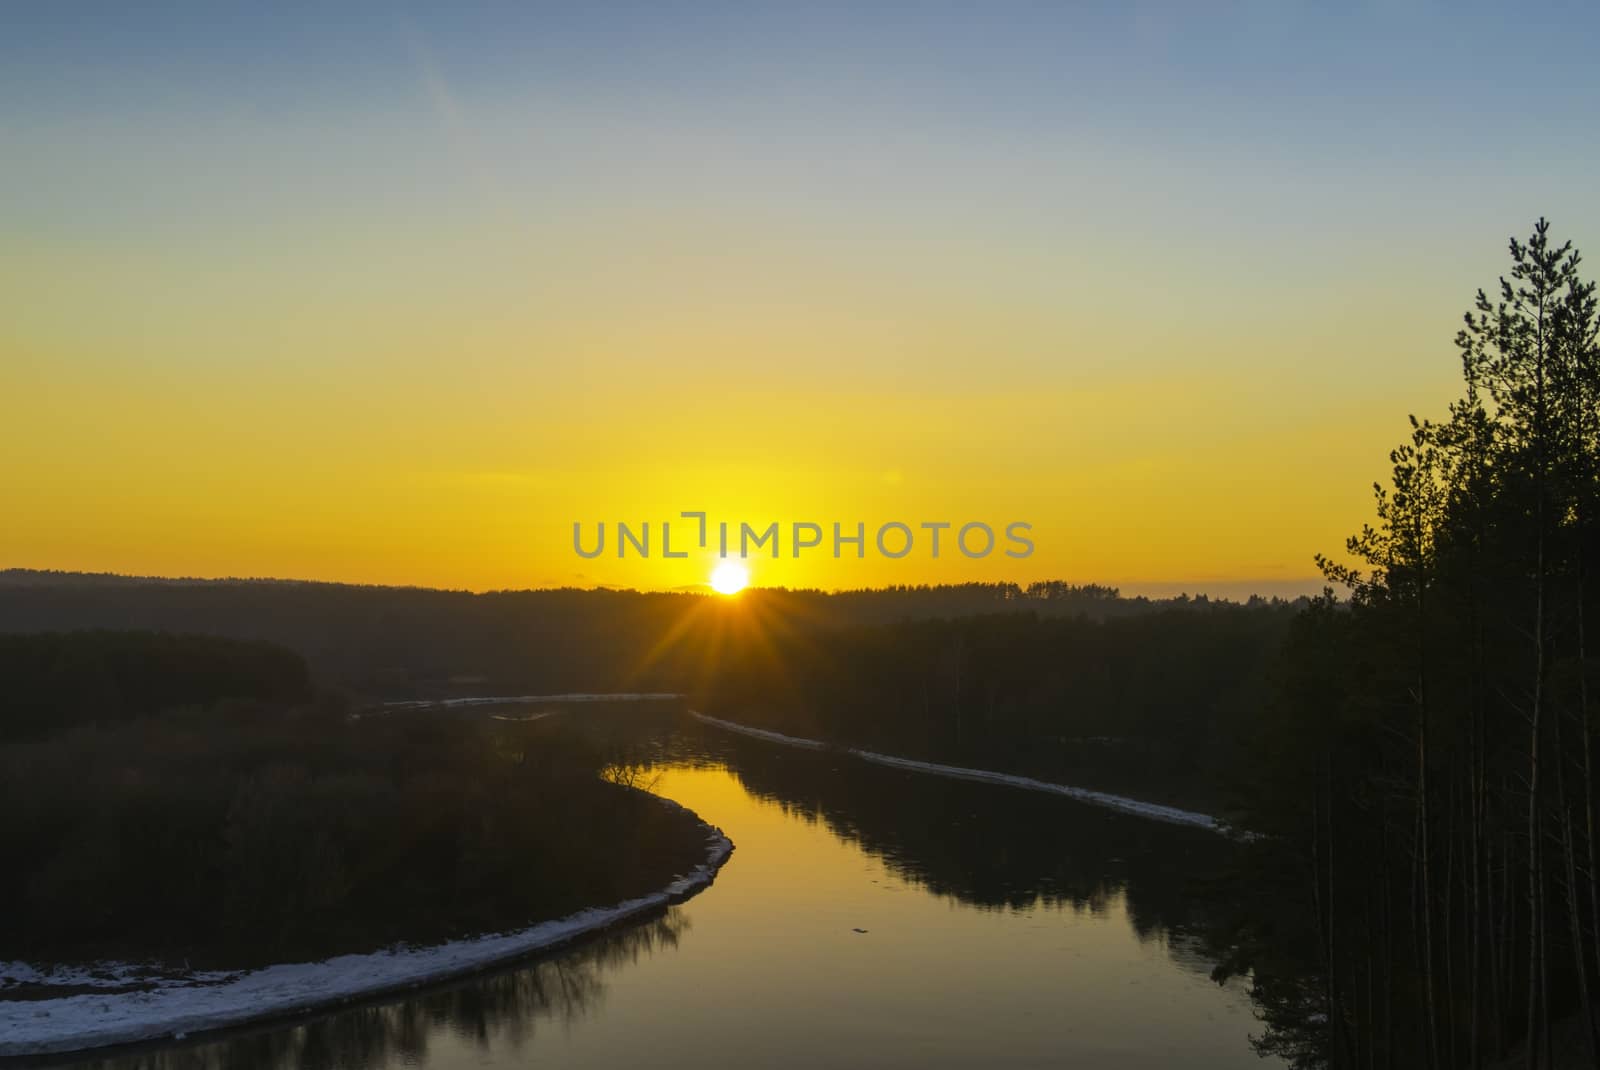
(174, 1005)
(1152, 811)
(761, 733)
(528, 700)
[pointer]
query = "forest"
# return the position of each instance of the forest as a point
(1051, 679)
(1427, 765)
(253, 821)
(408, 642)
(55, 681)
(1155, 705)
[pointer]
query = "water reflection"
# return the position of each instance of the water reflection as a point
(981, 845)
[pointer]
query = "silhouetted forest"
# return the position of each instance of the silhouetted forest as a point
(55, 681)
(1156, 705)
(1426, 783)
(1051, 679)
(400, 642)
(246, 830)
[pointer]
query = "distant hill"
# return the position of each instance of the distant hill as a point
(410, 641)
(27, 577)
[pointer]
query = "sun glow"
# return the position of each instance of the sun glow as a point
(729, 578)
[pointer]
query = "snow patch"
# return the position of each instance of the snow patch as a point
(1152, 811)
(761, 733)
(172, 1005)
(525, 700)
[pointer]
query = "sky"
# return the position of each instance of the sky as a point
(396, 295)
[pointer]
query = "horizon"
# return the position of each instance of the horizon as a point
(1229, 591)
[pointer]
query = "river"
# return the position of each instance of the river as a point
(868, 917)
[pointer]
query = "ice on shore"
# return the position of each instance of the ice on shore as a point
(1153, 811)
(171, 1004)
(528, 700)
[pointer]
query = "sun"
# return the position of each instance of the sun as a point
(729, 577)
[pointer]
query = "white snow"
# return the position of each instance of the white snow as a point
(103, 975)
(1153, 811)
(175, 1005)
(761, 733)
(526, 700)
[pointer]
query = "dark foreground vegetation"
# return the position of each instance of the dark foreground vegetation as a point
(1427, 775)
(247, 831)
(55, 681)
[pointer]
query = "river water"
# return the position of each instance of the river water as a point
(868, 917)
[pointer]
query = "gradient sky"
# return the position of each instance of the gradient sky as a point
(379, 296)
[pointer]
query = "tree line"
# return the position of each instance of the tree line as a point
(406, 642)
(1428, 767)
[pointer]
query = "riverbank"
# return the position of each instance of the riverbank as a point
(579, 697)
(1138, 808)
(151, 1003)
